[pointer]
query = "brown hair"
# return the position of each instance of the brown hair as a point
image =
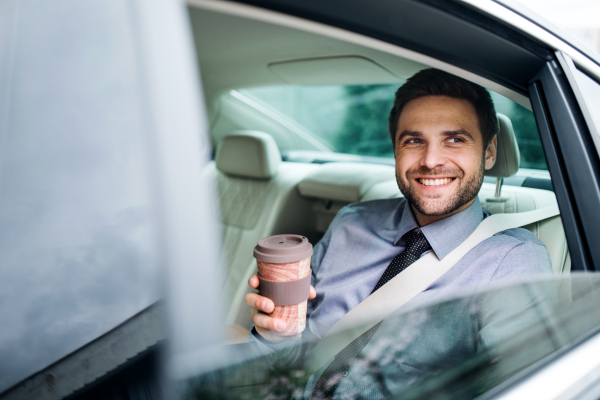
(434, 82)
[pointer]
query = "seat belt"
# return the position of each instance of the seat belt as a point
(415, 279)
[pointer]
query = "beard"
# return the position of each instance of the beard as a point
(436, 207)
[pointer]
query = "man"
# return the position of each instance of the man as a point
(443, 130)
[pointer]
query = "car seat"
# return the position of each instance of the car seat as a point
(258, 198)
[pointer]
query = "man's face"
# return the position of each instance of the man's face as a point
(439, 156)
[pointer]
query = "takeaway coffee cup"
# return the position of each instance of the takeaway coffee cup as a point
(284, 276)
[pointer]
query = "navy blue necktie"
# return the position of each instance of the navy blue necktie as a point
(416, 244)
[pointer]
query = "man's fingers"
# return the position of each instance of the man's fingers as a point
(268, 327)
(253, 281)
(250, 299)
(262, 303)
(313, 292)
(266, 322)
(268, 333)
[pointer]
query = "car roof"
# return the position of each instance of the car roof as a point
(224, 32)
(539, 20)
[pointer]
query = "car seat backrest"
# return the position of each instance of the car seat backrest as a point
(246, 161)
(513, 199)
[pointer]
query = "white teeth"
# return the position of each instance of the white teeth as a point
(435, 182)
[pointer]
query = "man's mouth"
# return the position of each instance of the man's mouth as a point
(434, 182)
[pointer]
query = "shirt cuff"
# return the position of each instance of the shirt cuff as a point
(260, 338)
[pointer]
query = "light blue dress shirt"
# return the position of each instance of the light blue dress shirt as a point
(363, 239)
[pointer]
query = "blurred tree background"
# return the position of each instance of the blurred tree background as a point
(364, 130)
(528, 138)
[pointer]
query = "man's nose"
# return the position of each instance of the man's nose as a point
(432, 157)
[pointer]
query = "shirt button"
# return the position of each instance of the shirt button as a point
(286, 350)
(345, 373)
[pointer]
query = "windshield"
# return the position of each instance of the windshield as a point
(458, 348)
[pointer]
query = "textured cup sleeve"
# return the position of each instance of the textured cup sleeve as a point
(285, 293)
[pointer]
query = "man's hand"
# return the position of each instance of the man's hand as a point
(266, 326)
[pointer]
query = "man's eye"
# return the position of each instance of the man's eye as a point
(455, 140)
(413, 141)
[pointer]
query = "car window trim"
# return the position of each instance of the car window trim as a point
(511, 12)
(548, 26)
(570, 69)
(568, 374)
(571, 163)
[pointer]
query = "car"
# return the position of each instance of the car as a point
(148, 146)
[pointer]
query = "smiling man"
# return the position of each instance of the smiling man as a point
(443, 129)
(438, 145)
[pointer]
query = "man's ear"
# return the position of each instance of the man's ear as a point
(490, 153)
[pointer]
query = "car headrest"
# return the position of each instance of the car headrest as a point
(508, 158)
(249, 154)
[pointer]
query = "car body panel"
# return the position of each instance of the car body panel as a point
(482, 41)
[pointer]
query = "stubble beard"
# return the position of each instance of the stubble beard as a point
(466, 192)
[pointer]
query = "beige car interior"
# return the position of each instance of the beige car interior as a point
(261, 195)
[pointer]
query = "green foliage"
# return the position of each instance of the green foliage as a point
(365, 129)
(530, 147)
(251, 380)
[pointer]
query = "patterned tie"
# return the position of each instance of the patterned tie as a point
(416, 244)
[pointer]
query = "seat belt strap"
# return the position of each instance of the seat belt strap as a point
(415, 279)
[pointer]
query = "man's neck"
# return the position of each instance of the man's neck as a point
(423, 219)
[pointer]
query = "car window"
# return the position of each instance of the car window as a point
(78, 244)
(590, 90)
(432, 351)
(354, 119)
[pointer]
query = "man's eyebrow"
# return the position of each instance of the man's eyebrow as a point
(409, 133)
(458, 132)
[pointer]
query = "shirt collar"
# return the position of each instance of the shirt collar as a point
(447, 233)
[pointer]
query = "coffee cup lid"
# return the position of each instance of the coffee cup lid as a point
(281, 249)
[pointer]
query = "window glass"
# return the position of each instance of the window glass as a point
(348, 119)
(590, 89)
(459, 348)
(528, 137)
(354, 119)
(78, 234)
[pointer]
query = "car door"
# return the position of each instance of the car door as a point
(484, 40)
(100, 191)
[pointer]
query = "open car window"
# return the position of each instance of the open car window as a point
(426, 352)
